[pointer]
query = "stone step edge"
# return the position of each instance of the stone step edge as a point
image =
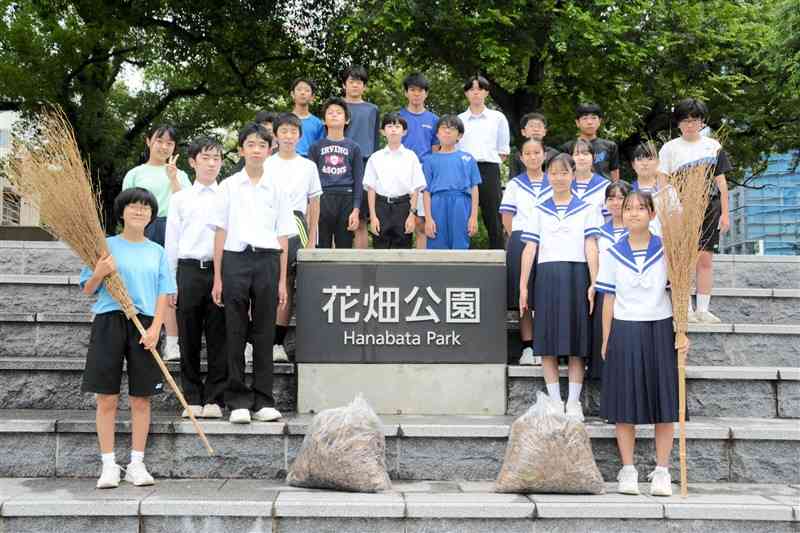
(402, 426)
(736, 373)
(511, 324)
(33, 497)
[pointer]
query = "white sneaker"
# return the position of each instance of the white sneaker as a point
(691, 318)
(575, 410)
(248, 354)
(211, 410)
(109, 477)
(705, 317)
(240, 416)
(527, 357)
(197, 411)
(137, 474)
(266, 414)
(660, 483)
(628, 481)
(279, 354)
(172, 352)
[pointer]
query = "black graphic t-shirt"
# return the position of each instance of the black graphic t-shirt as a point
(340, 165)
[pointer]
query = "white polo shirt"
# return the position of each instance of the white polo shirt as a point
(561, 231)
(188, 235)
(299, 178)
(486, 135)
(253, 215)
(638, 279)
(522, 196)
(394, 172)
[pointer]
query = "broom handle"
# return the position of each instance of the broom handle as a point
(178, 393)
(682, 422)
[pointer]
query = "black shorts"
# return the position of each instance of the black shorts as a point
(709, 234)
(296, 242)
(115, 339)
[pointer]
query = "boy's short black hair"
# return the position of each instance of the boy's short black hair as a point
(619, 186)
(564, 160)
(203, 144)
(159, 130)
(416, 80)
(483, 83)
(588, 108)
(254, 128)
(307, 81)
(527, 117)
(289, 119)
(265, 116)
(690, 108)
(357, 72)
(394, 118)
(645, 151)
(582, 145)
(135, 195)
(338, 101)
(450, 121)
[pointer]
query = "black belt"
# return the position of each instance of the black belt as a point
(202, 264)
(337, 190)
(393, 199)
(250, 249)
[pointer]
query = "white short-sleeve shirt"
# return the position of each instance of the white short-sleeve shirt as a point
(299, 178)
(486, 135)
(521, 197)
(394, 172)
(679, 154)
(593, 192)
(561, 231)
(638, 279)
(252, 215)
(188, 235)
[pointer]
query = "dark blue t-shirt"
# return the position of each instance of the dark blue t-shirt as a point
(421, 136)
(451, 171)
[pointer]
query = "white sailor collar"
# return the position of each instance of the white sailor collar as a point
(524, 182)
(636, 187)
(595, 183)
(576, 205)
(607, 231)
(623, 253)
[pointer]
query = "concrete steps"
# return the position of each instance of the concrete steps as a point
(763, 392)
(241, 505)
(210, 505)
(63, 444)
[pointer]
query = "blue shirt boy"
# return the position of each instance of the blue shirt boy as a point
(451, 171)
(313, 130)
(421, 133)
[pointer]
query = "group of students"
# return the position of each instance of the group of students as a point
(217, 259)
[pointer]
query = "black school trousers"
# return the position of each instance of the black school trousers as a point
(250, 282)
(489, 195)
(392, 215)
(335, 207)
(197, 314)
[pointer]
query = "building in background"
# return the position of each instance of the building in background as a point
(13, 211)
(766, 220)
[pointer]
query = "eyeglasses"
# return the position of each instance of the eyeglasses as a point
(139, 208)
(691, 121)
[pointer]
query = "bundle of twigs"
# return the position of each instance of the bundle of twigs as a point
(681, 212)
(46, 169)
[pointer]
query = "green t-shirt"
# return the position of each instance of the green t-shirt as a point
(155, 180)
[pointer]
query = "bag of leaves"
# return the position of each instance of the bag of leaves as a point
(344, 449)
(548, 452)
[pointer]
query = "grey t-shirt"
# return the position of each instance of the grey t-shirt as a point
(364, 127)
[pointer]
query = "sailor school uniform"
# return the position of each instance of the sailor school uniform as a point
(593, 192)
(520, 198)
(663, 198)
(562, 326)
(640, 374)
(609, 236)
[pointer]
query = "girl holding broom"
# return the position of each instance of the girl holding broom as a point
(160, 175)
(640, 373)
(144, 268)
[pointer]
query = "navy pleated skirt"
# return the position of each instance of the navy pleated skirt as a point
(514, 249)
(156, 231)
(640, 374)
(562, 326)
(595, 370)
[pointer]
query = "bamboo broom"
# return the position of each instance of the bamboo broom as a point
(46, 169)
(681, 209)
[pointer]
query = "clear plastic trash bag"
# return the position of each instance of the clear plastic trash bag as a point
(549, 453)
(344, 449)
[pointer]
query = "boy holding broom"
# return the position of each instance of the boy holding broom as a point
(144, 269)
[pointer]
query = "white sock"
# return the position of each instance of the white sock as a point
(690, 306)
(628, 468)
(108, 459)
(554, 391)
(662, 469)
(137, 457)
(575, 392)
(172, 341)
(703, 302)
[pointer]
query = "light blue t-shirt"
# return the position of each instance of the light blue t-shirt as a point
(450, 171)
(313, 130)
(144, 269)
